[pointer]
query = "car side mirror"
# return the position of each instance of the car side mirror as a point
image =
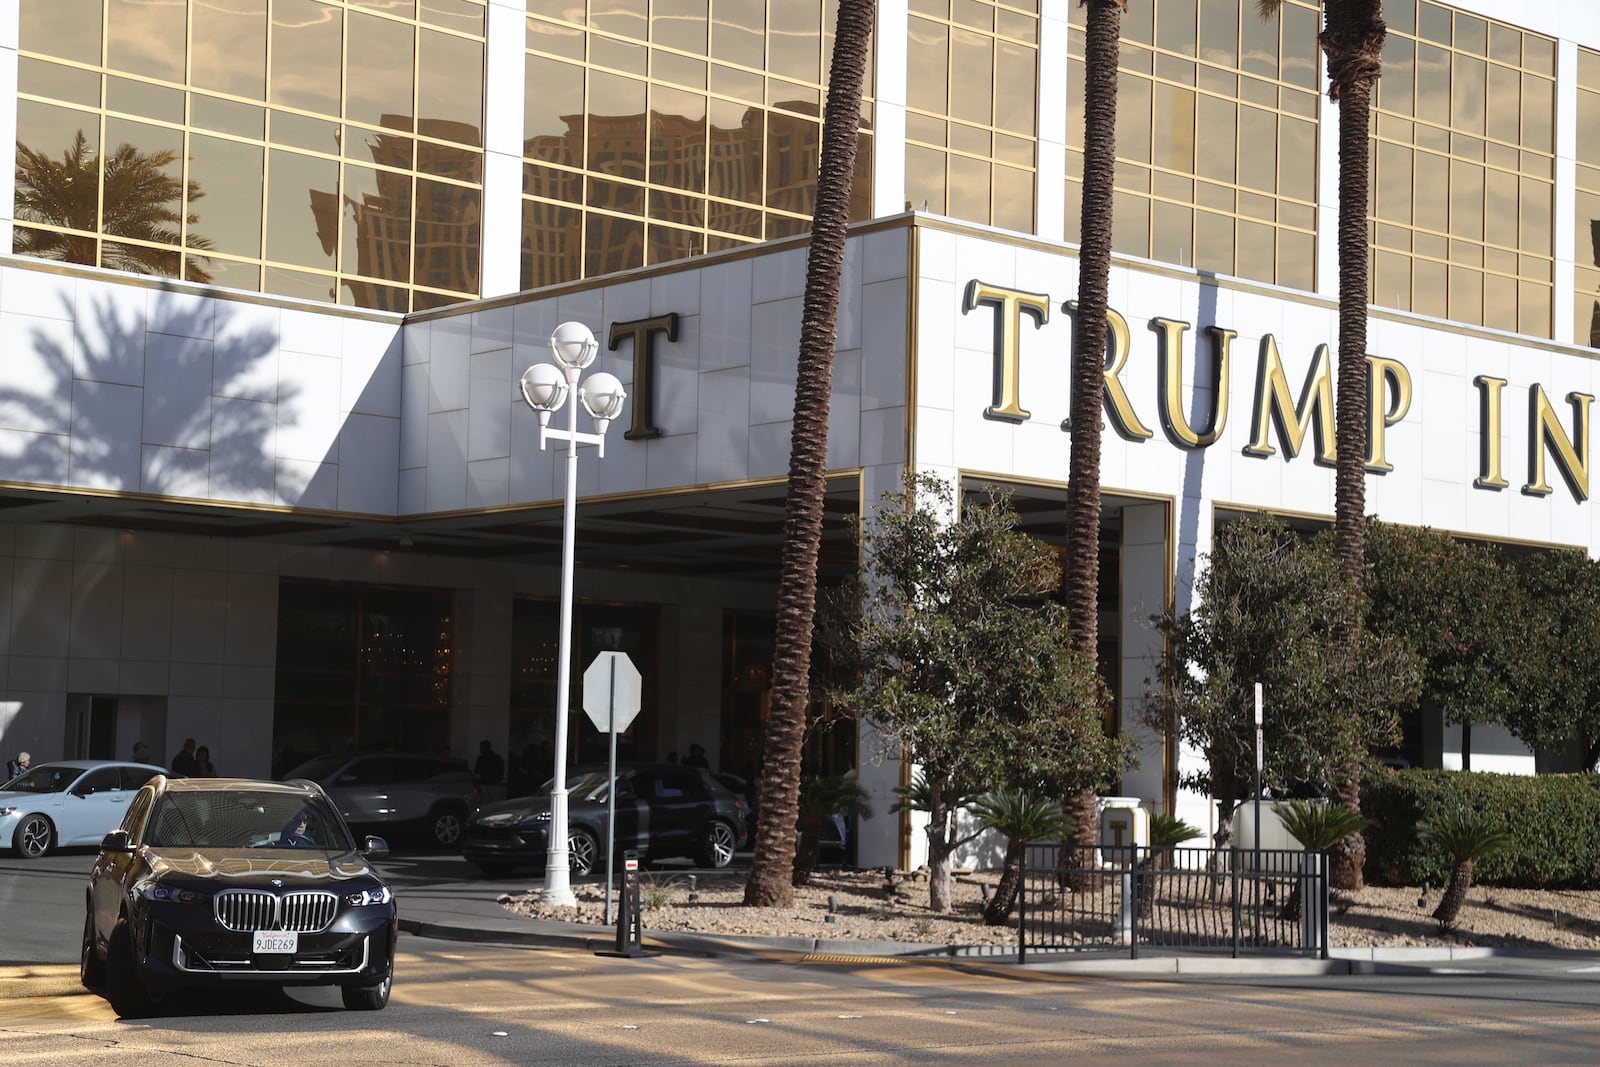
(374, 846)
(116, 841)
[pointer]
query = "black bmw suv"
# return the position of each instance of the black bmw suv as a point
(213, 881)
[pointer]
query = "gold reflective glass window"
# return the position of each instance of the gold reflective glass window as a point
(625, 18)
(794, 31)
(68, 84)
(230, 47)
(375, 228)
(302, 206)
(738, 31)
(463, 16)
(677, 139)
(449, 218)
(450, 87)
(225, 196)
(146, 37)
(679, 24)
(551, 127)
(64, 29)
(378, 82)
(307, 55)
(927, 66)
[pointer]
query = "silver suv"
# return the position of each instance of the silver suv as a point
(393, 792)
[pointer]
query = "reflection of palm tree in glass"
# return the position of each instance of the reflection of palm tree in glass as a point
(141, 202)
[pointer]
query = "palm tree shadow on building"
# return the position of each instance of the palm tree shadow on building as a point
(89, 414)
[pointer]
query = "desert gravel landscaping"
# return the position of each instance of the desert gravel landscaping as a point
(1377, 916)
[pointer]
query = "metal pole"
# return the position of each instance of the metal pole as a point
(557, 871)
(1256, 894)
(611, 790)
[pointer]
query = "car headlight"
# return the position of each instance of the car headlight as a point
(378, 895)
(171, 893)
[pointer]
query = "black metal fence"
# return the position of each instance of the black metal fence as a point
(1222, 900)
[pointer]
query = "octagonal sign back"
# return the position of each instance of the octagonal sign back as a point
(611, 688)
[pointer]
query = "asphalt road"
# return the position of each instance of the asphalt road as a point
(470, 1004)
(484, 1004)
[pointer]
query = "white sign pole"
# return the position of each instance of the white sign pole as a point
(611, 788)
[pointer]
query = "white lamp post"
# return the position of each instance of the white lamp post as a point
(545, 387)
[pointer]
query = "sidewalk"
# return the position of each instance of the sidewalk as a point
(465, 911)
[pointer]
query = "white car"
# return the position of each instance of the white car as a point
(66, 803)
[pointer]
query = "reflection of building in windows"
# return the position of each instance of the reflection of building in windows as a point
(378, 241)
(660, 186)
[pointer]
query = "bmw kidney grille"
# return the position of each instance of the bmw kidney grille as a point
(254, 909)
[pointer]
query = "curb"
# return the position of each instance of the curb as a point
(40, 980)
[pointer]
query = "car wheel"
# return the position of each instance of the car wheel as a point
(125, 987)
(445, 827)
(495, 870)
(368, 997)
(34, 837)
(717, 845)
(582, 851)
(91, 968)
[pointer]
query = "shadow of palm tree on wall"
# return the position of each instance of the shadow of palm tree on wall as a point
(172, 394)
(141, 201)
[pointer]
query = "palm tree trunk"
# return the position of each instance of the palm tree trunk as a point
(1455, 895)
(1081, 574)
(1352, 40)
(772, 869)
(810, 846)
(1005, 893)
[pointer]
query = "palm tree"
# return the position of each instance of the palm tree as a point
(772, 868)
(1022, 816)
(1318, 826)
(1464, 835)
(823, 797)
(1352, 40)
(1082, 571)
(141, 200)
(1167, 832)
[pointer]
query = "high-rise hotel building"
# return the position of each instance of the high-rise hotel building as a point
(276, 266)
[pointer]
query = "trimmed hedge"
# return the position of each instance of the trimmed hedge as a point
(1554, 819)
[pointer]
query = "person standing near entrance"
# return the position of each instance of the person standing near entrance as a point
(183, 762)
(490, 771)
(141, 752)
(202, 763)
(16, 766)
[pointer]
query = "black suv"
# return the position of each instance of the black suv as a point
(663, 810)
(213, 881)
(428, 797)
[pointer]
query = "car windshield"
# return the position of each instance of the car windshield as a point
(242, 818)
(593, 786)
(318, 768)
(45, 778)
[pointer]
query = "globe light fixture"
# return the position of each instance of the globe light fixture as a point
(546, 387)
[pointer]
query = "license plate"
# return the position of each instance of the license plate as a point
(275, 941)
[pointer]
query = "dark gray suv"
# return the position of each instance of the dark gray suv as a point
(395, 793)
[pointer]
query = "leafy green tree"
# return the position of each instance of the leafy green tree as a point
(1553, 644)
(965, 666)
(140, 200)
(1464, 835)
(1449, 600)
(1021, 816)
(1270, 605)
(772, 867)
